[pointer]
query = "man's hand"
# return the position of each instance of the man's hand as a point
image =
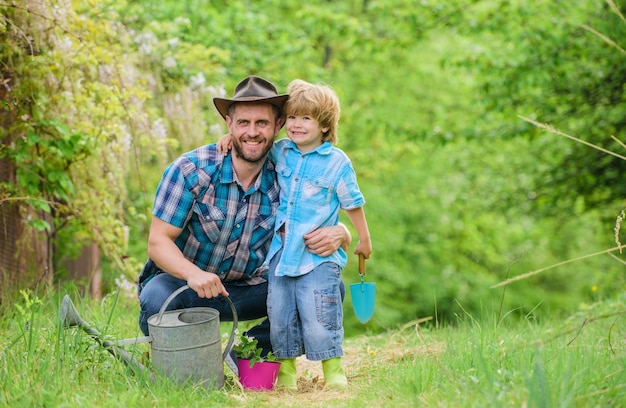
(325, 241)
(206, 284)
(164, 252)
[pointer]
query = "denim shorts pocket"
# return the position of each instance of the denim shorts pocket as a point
(328, 308)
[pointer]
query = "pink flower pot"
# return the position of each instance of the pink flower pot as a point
(261, 376)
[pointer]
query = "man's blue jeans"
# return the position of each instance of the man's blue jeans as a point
(250, 303)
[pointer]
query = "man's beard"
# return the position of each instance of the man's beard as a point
(239, 152)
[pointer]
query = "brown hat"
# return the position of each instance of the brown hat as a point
(251, 89)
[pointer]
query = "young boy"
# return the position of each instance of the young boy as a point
(316, 181)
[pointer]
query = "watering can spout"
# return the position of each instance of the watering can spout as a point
(182, 345)
(68, 315)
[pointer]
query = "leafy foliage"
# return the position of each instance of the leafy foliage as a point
(246, 348)
(461, 193)
(551, 65)
(80, 110)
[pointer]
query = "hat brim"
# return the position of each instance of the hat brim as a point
(222, 104)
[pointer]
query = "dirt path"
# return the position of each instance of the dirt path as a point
(361, 361)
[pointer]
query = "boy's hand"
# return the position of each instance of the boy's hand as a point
(364, 248)
(224, 144)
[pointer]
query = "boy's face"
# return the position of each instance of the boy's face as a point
(252, 129)
(304, 131)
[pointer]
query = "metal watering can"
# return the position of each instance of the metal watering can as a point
(185, 344)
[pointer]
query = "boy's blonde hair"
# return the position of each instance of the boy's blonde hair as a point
(318, 101)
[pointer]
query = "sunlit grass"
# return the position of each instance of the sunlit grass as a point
(577, 362)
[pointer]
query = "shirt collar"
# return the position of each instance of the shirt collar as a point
(264, 182)
(324, 149)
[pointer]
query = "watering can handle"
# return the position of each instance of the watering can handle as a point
(231, 340)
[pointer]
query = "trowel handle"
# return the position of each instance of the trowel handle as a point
(361, 264)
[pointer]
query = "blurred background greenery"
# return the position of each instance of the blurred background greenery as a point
(461, 192)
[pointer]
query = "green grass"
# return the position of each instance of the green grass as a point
(576, 362)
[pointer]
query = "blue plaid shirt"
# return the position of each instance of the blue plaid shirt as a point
(314, 186)
(199, 193)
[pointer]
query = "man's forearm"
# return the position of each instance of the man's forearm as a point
(168, 257)
(347, 240)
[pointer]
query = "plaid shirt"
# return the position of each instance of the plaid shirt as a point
(225, 230)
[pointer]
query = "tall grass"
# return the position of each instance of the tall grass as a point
(577, 362)
(524, 363)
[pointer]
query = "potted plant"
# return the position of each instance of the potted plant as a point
(256, 372)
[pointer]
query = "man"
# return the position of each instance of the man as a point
(213, 218)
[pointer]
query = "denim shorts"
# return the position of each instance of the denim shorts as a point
(305, 312)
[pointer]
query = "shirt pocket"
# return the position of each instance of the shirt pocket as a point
(317, 190)
(210, 222)
(283, 171)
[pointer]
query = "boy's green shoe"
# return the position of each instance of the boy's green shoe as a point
(287, 377)
(334, 376)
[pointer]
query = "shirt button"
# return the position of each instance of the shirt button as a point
(238, 225)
